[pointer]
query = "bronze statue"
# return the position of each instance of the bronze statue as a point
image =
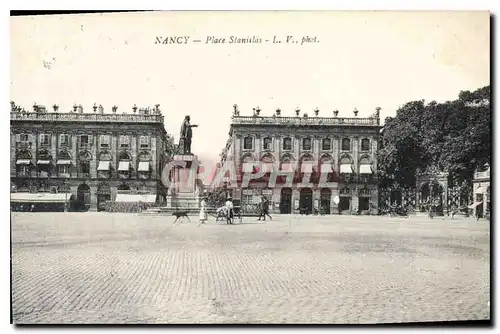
(186, 135)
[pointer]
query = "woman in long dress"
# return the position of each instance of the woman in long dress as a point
(203, 210)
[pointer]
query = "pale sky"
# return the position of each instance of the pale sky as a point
(362, 60)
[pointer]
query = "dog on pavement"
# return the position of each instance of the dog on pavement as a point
(180, 214)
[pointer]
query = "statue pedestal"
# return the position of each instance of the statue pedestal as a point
(184, 191)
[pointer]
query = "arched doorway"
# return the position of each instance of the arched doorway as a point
(305, 202)
(326, 195)
(364, 200)
(345, 201)
(83, 197)
(286, 201)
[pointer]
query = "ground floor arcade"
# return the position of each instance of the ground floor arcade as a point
(80, 195)
(339, 199)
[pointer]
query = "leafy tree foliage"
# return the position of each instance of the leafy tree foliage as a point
(454, 136)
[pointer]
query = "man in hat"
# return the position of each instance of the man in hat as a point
(229, 210)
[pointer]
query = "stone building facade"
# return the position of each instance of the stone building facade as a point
(481, 186)
(343, 149)
(91, 157)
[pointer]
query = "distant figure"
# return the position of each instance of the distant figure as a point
(186, 135)
(229, 211)
(203, 210)
(264, 209)
(32, 208)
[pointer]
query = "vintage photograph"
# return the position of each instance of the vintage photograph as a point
(250, 167)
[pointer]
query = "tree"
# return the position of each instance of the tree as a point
(454, 136)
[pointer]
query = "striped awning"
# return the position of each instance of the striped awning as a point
(326, 168)
(143, 166)
(248, 167)
(43, 162)
(287, 167)
(346, 169)
(103, 166)
(472, 206)
(124, 166)
(64, 162)
(39, 197)
(135, 198)
(480, 190)
(266, 167)
(306, 167)
(23, 162)
(365, 169)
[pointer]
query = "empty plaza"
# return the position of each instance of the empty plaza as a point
(131, 268)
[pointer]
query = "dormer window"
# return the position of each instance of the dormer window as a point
(326, 144)
(64, 140)
(268, 143)
(84, 140)
(144, 141)
(23, 137)
(346, 144)
(105, 141)
(287, 144)
(44, 139)
(124, 141)
(365, 144)
(306, 144)
(247, 143)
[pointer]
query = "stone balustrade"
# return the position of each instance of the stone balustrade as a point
(80, 117)
(298, 121)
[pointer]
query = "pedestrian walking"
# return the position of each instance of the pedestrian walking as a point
(229, 211)
(203, 210)
(265, 209)
(261, 208)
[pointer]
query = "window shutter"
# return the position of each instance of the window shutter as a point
(90, 140)
(18, 137)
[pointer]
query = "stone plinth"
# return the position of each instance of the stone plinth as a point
(183, 192)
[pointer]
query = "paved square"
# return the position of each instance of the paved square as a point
(125, 268)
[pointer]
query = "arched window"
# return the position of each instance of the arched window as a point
(365, 144)
(287, 143)
(346, 144)
(123, 156)
(105, 156)
(247, 143)
(327, 144)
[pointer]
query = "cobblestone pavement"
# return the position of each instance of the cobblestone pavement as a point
(125, 268)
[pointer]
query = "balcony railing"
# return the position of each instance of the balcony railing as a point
(305, 121)
(76, 117)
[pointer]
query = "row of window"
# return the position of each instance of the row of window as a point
(84, 140)
(84, 168)
(326, 144)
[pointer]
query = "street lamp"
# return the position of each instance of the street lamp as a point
(65, 196)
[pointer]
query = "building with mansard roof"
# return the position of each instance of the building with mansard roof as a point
(86, 158)
(302, 163)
